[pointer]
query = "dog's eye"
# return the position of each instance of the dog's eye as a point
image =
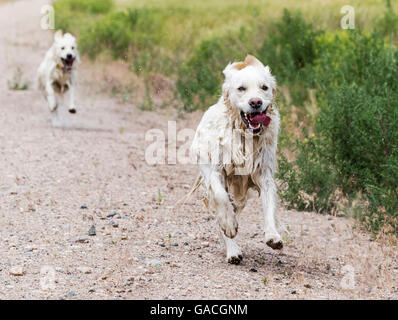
(63, 48)
(242, 89)
(73, 48)
(264, 87)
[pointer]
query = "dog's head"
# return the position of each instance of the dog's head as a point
(249, 89)
(66, 49)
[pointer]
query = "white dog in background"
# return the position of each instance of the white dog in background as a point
(245, 112)
(57, 75)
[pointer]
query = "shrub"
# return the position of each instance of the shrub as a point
(71, 15)
(91, 6)
(290, 47)
(200, 77)
(355, 147)
(131, 33)
(387, 25)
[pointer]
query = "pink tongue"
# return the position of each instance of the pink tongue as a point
(261, 118)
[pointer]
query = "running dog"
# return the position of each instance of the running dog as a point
(242, 129)
(57, 75)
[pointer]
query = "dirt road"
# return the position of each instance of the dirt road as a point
(56, 183)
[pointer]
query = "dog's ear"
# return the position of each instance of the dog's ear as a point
(253, 61)
(58, 35)
(233, 67)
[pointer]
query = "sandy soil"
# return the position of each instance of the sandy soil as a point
(56, 183)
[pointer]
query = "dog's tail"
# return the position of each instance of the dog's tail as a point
(195, 187)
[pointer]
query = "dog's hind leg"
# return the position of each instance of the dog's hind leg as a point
(234, 252)
(225, 212)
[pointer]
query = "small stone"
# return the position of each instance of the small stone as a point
(31, 248)
(111, 215)
(83, 207)
(82, 240)
(113, 224)
(175, 244)
(253, 270)
(71, 294)
(17, 271)
(92, 231)
(186, 244)
(85, 270)
(205, 244)
(162, 245)
(155, 263)
(91, 291)
(107, 232)
(293, 292)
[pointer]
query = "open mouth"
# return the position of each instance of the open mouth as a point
(68, 63)
(256, 120)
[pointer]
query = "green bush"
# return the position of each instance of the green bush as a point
(71, 15)
(91, 6)
(388, 24)
(355, 147)
(132, 34)
(200, 77)
(289, 47)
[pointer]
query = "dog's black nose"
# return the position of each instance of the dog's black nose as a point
(255, 103)
(69, 56)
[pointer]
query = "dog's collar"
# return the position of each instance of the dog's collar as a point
(58, 67)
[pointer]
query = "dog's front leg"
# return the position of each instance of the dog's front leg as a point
(225, 213)
(51, 98)
(72, 97)
(269, 202)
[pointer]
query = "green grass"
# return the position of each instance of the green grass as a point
(177, 27)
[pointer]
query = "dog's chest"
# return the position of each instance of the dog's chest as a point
(62, 80)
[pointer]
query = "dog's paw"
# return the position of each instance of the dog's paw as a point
(234, 254)
(235, 259)
(274, 241)
(229, 225)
